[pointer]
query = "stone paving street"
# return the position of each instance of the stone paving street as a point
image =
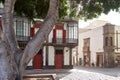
(107, 71)
(81, 73)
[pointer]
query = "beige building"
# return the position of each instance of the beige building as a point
(100, 45)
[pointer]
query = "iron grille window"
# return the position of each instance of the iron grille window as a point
(19, 28)
(22, 28)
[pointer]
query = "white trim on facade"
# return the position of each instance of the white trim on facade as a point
(66, 56)
(51, 55)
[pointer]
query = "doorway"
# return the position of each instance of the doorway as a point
(38, 60)
(99, 60)
(58, 59)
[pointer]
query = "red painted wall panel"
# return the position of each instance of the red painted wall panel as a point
(54, 35)
(58, 27)
(32, 32)
(64, 36)
(38, 61)
(37, 25)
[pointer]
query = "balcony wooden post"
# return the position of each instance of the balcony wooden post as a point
(47, 53)
(70, 56)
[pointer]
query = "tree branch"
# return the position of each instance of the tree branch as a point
(35, 44)
(7, 24)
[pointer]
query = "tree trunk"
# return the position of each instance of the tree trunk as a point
(12, 60)
(7, 64)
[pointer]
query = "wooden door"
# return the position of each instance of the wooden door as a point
(99, 60)
(59, 59)
(38, 61)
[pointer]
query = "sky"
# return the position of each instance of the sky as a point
(111, 17)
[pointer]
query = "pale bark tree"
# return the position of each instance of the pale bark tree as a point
(12, 59)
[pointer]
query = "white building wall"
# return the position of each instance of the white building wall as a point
(51, 55)
(65, 26)
(96, 43)
(117, 38)
(30, 63)
(66, 55)
(74, 52)
(96, 38)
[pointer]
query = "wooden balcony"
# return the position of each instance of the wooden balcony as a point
(23, 38)
(67, 42)
(22, 44)
(22, 41)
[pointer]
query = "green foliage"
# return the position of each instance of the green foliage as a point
(37, 8)
(25, 8)
(63, 9)
(88, 10)
(73, 8)
(41, 8)
(93, 8)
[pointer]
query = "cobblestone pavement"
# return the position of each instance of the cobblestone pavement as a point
(81, 73)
